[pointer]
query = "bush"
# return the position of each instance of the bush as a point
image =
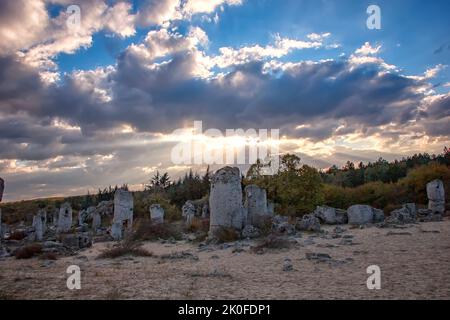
(126, 248)
(199, 225)
(17, 235)
(224, 235)
(28, 251)
(48, 256)
(143, 201)
(148, 231)
(272, 241)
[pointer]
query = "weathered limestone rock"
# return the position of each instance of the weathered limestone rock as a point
(39, 221)
(406, 214)
(188, 211)
(329, 215)
(427, 215)
(205, 211)
(96, 221)
(156, 213)
(362, 214)
(436, 196)
(65, 218)
(2, 188)
(116, 231)
(256, 205)
(309, 222)
(378, 215)
(250, 232)
(225, 200)
(123, 210)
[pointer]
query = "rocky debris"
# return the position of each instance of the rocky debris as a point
(188, 211)
(4, 252)
(284, 227)
(363, 214)
(406, 214)
(65, 218)
(318, 257)
(326, 258)
(256, 205)
(308, 223)
(77, 241)
(123, 213)
(180, 255)
(329, 215)
(338, 230)
(250, 232)
(427, 215)
(287, 265)
(156, 213)
(436, 196)
(225, 201)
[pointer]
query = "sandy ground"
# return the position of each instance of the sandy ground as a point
(413, 266)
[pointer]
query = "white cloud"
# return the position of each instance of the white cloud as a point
(367, 50)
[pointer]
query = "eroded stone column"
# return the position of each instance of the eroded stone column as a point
(256, 205)
(123, 211)
(225, 200)
(436, 196)
(156, 213)
(65, 218)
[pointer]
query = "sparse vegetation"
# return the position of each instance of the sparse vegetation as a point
(125, 248)
(28, 251)
(272, 241)
(224, 235)
(148, 231)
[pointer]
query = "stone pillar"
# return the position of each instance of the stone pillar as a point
(123, 210)
(188, 212)
(42, 213)
(156, 213)
(64, 218)
(38, 227)
(116, 231)
(2, 188)
(256, 205)
(225, 200)
(96, 221)
(436, 196)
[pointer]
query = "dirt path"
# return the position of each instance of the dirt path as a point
(414, 264)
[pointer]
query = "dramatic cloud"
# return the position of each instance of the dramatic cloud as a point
(113, 124)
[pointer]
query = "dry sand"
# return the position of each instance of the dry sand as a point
(415, 266)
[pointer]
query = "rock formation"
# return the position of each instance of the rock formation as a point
(64, 218)
(123, 211)
(436, 196)
(363, 214)
(225, 200)
(256, 205)
(156, 213)
(329, 215)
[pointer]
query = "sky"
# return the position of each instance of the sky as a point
(100, 100)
